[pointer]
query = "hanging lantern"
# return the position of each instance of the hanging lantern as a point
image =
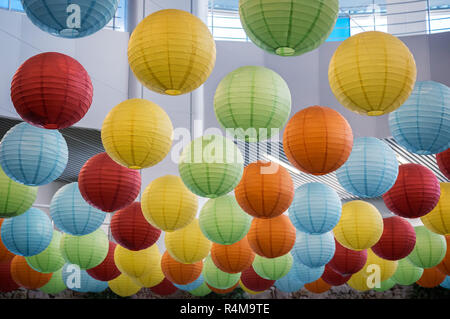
(201, 291)
(193, 285)
(407, 273)
(431, 278)
(123, 286)
(346, 261)
(290, 283)
(107, 185)
(7, 283)
(179, 273)
(385, 285)
(318, 287)
(137, 134)
(387, 267)
(306, 274)
(443, 161)
(358, 281)
(316, 208)
(314, 250)
(218, 278)
(233, 258)
(381, 81)
(333, 278)
(211, 166)
(318, 140)
(222, 291)
(107, 269)
(446, 283)
(33, 156)
(50, 260)
(444, 266)
(273, 268)
(154, 276)
(27, 277)
(430, 248)
(56, 284)
(165, 288)
(253, 281)
(136, 264)
(438, 220)
(249, 291)
(79, 280)
(5, 255)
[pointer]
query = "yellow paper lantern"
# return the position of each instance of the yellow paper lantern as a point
(438, 220)
(137, 134)
(387, 267)
(172, 52)
(123, 286)
(372, 73)
(168, 204)
(358, 281)
(188, 245)
(154, 277)
(136, 264)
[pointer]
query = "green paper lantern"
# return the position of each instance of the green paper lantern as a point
(211, 166)
(217, 278)
(429, 250)
(223, 221)
(50, 260)
(86, 251)
(254, 101)
(385, 285)
(406, 273)
(201, 291)
(288, 27)
(15, 198)
(55, 285)
(273, 268)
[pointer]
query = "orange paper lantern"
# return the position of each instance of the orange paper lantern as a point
(444, 266)
(431, 278)
(233, 258)
(5, 255)
(222, 291)
(318, 287)
(179, 273)
(26, 276)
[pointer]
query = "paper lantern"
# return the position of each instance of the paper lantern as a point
(271, 238)
(188, 245)
(211, 166)
(422, 124)
(288, 28)
(25, 276)
(7, 283)
(137, 134)
(201, 291)
(74, 19)
(233, 258)
(86, 251)
(72, 214)
(5, 255)
(171, 52)
(446, 283)
(360, 226)
(430, 248)
(80, 281)
(358, 281)
(255, 282)
(431, 278)
(51, 90)
(28, 234)
(443, 161)
(107, 185)
(438, 220)
(168, 204)
(193, 285)
(218, 278)
(136, 264)
(15, 198)
(249, 291)
(50, 260)
(314, 250)
(444, 266)
(290, 283)
(385, 285)
(179, 273)
(333, 278)
(165, 288)
(33, 156)
(223, 221)
(346, 261)
(56, 284)
(318, 140)
(154, 274)
(380, 82)
(387, 267)
(397, 241)
(253, 101)
(318, 287)
(222, 291)
(407, 273)
(273, 268)
(107, 269)
(306, 274)
(316, 208)
(123, 286)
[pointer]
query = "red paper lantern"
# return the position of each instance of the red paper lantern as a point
(107, 270)
(233, 258)
(346, 261)
(443, 161)
(415, 192)
(107, 185)
(26, 276)
(7, 283)
(165, 288)
(397, 241)
(51, 90)
(179, 273)
(131, 230)
(222, 291)
(251, 280)
(431, 278)
(318, 287)
(444, 266)
(333, 278)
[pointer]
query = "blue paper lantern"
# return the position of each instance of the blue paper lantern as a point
(446, 283)
(80, 281)
(314, 250)
(290, 282)
(72, 214)
(193, 285)
(422, 124)
(70, 19)
(307, 274)
(28, 234)
(33, 156)
(316, 208)
(371, 170)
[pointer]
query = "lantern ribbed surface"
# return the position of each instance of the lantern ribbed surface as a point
(50, 260)
(27, 277)
(107, 269)
(201, 291)
(431, 278)
(136, 264)
(254, 101)
(137, 134)
(318, 140)
(387, 267)
(372, 73)
(438, 220)
(444, 266)
(56, 284)
(313, 250)
(7, 283)
(80, 281)
(193, 285)
(179, 273)
(222, 291)
(123, 286)
(318, 287)
(430, 248)
(346, 261)
(218, 278)
(306, 274)
(290, 283)
(255, 282)
(165, 288)
(422, 124)
(273, 268)
(333, 278)
(249, 291)
(233, 258)
(5, 254)
(406, 273)
(385, 285)
(443, 161)
(155, 275)
(33, 156)
(171, 52)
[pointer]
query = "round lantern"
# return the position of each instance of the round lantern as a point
(446, 283)
(28, 234)
(360, 226)
(15, 198)
(86, 251)
(27, 277)
(422, 124)
(107, 185)
(51, 90)
(266, 190)
(314, 250)
(397, 241)
(371, 170)
(333, 278)
(380, 82)
(193, 285)
(438, 220)
(290, 283)
(188, 245)
(211, 166)
(33, 156)
(79, 280)
(223, 221)
(137, 134)
(387, 267)
(179, 273)
(107, 269)
(407, 273)
(74, 19)
(316, 208)
(123, 286)
(385, 285)
(7, 283)
(318, 140)
(431, 278)
(358, 281)
(5, 254)
(154, 274)
(288, 28)
(136, 264)
(318, 287)
(218, 278)
(430, 248)
(271, 238)
(50, 260)
(253, 101)
(233, 258)
(165, 288)
(346, 261)
(443, 161)
(248, 291)
(168, 204)
(201, 291)
(253, 281)
(273, 268)
(71, 213)
(171, 52)
(444, 266)
(222, 291)
(306, 274)
(56, 284)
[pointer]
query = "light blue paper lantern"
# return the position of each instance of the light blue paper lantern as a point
(422, 123)
(28, 234)
(371, 170)
(316, 208)
(72, 214)
(290, 283)
(446, 283)
(314, 250)
(307, 274)
(80, 281)
(33, 156)
(70, 19)
(193, 285)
